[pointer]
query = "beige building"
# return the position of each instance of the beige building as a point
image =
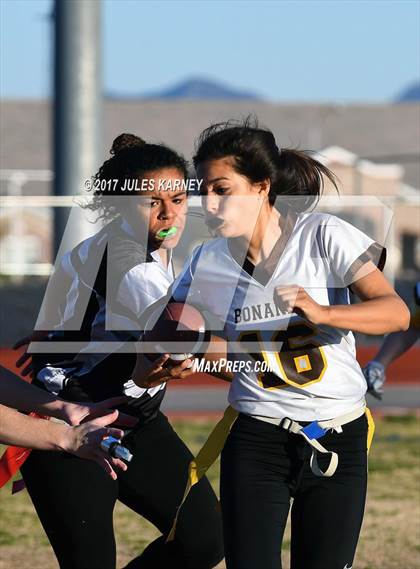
(376, 199)
(379, 194)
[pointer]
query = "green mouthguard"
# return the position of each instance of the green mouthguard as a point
(167, 232)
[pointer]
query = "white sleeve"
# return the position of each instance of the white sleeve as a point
(184, 289)
(351, 253)
(140, 288)
(66, 265)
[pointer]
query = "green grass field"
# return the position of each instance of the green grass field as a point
(390, 536)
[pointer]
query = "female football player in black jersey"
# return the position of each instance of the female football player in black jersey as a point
(111, 278)
(277, 276)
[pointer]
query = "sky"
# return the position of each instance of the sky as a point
(320, 51)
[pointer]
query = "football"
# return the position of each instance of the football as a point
(178, 329)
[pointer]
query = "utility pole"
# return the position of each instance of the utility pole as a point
(77, 106)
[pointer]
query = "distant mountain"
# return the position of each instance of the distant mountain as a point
(194, 88)
(411, 93)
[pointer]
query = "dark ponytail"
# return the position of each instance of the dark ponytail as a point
(293, 174)
(125, 141)
(131, 158)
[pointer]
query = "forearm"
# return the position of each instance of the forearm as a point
(21, 430)
(18, 394)
(379, 315)
(217, 352)
(395, 345)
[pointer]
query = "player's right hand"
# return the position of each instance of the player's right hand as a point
(149, 374)
(375, 376)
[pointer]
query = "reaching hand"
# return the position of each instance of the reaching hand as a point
(375, 377)
(85, 442)
(78, 413)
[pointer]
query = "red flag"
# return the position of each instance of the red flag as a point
(12, 459)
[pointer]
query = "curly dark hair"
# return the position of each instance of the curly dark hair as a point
(131, 158)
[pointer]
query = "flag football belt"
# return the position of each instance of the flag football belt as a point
(314, 431)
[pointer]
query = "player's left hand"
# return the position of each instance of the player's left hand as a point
(375, 376)
(293, 298)
(85, 441)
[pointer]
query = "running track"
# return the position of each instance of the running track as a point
(202, 395)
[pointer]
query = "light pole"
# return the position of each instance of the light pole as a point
(77, 105)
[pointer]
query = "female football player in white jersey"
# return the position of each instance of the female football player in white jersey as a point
(277, 277)
(112, 278)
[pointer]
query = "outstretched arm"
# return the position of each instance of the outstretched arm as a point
(18, 394)
(83, 441)
(395, 345)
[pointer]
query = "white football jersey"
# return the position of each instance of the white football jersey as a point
(313, 372)
(141, 278)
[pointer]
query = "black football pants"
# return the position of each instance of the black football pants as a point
(263, 467)
(75, 499)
